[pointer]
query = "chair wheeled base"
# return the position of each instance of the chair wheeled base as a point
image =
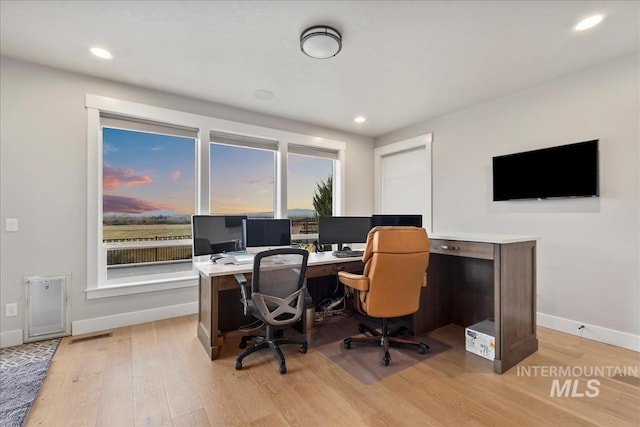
(269, 341)
(384, 339)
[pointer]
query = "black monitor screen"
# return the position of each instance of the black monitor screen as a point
(343, 229)
(267, 232)
(408, 220)
(562, 171)
(214, 234)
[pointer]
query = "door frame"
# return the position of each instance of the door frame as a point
(425, 141)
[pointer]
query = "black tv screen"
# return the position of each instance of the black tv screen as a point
(214, 234)
(343, 229)
(266, 232)
(403, 220)
(563, 171)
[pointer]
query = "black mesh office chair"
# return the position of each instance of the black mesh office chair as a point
(278, 291)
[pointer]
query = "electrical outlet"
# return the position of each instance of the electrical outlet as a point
(11, 310)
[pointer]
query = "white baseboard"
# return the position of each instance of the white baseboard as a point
(132, 318)
(11, 338)
(592, 332)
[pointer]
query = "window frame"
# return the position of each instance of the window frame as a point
(96, 105)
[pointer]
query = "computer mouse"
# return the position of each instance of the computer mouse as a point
(346, 248)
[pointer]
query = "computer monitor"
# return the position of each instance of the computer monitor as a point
(215, 234)
(343, 229)
(266, 233)
(403, 219)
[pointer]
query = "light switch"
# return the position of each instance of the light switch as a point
(11, 224)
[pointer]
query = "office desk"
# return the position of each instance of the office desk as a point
(470, 278)
(473, 277)
(219, 307)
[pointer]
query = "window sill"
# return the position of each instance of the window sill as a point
(142, 286)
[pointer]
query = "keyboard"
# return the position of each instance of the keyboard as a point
(348, 254)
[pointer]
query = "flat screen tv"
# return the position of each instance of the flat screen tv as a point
(216, 234)
(556, 172)
(266, 232)
(402, 220)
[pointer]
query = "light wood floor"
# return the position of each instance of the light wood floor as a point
(158, 374)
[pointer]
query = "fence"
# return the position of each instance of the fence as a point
(157, 249)
(148, 250)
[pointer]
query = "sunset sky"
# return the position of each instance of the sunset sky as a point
(144, 172)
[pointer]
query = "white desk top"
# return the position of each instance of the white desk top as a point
(484, 238)
(211, 269)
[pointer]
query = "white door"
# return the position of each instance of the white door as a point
(403, 178)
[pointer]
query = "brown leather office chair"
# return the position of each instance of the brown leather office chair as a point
(395, 264)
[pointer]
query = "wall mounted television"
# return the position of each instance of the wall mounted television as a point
(556, 172)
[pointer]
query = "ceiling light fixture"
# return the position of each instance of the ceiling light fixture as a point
(589, 22)
(101, 53)
(360, 119)
(320, 42)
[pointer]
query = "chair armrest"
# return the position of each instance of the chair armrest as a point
(242, 282)
(355, 281)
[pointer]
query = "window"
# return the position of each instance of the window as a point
(148, 197)
(242, 176)
(310, 190)
(149, 169)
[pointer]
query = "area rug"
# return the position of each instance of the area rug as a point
(362, 361)
(22, 370)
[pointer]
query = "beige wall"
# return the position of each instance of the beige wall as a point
(43, 156)
(589, 249)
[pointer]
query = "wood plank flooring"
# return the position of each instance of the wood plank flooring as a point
(157, 374)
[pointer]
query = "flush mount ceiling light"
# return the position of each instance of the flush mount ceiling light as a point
(360, 119)
(320, 42)
(589, 22)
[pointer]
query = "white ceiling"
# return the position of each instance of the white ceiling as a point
(401, 62)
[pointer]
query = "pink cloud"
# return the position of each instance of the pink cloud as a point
(112, 177)
(123, 204)
(175, 174)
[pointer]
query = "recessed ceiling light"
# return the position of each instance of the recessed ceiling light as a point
(589, 22)
(360, 119)
(101, 53)
(264, 94)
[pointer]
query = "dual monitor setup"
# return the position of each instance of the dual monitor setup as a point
(225, 234)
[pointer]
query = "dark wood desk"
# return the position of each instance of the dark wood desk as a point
(476, 277)
(470, 278)
(219, 307)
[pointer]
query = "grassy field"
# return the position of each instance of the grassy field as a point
(145, 231)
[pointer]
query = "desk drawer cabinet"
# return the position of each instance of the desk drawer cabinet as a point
(461, 248)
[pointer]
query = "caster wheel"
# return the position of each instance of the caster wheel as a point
(361, 329)
(347, 345)
(283, 369)
(243, 344)
(303, 349)
(422, 349)
(386, 359)
(238, 365)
